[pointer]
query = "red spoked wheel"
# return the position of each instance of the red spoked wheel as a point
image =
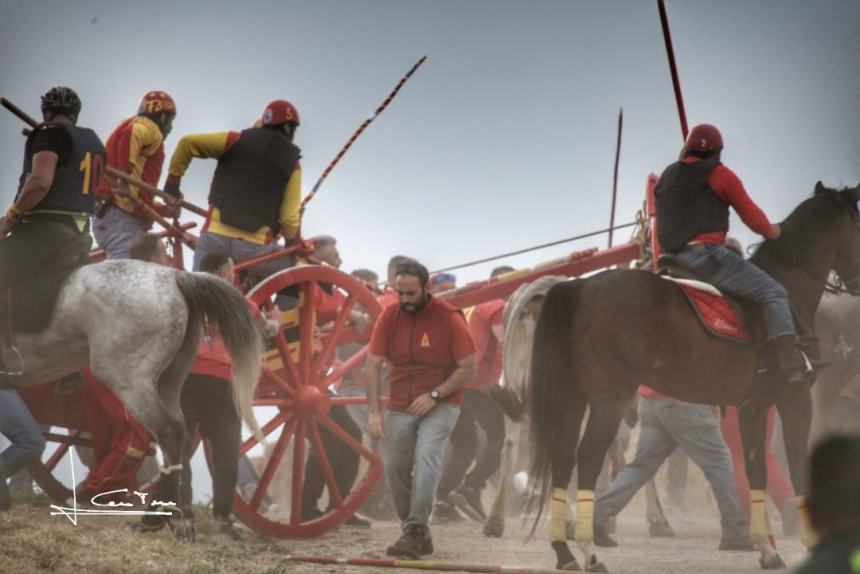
(293, 403)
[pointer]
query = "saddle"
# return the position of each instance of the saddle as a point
(722, 316)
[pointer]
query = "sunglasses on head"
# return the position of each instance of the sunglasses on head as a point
(443, 277)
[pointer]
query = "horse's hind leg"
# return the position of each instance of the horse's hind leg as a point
(563, 461)
(603, 420)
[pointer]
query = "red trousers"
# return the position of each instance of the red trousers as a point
(779, 489)
(119, 442)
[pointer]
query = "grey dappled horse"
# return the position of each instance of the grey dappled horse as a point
(138, 325)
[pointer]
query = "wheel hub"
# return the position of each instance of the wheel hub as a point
(311, 401)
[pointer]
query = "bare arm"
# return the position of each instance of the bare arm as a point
(465, 371)
(372, 370)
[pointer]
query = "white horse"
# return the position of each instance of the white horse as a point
(138, 325)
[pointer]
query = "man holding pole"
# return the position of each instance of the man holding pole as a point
(432, 356)
(256, 190)
(47, 226)
(135, 147)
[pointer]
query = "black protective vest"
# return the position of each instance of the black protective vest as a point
(249, 181)
(687, 206)
(75, 181)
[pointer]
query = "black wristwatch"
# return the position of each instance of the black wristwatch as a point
(434, 394)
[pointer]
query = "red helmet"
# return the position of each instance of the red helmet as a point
(155, 102)
(279, 112)
(704, 137)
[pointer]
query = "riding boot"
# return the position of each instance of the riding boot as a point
(793, 361)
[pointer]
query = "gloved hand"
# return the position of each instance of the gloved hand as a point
(171, 187)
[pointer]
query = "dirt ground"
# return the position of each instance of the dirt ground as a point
(33, 541)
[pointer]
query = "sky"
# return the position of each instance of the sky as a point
(503, 139)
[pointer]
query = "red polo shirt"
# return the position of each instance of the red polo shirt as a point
(212, 357)
(423, 349)
(482, 318)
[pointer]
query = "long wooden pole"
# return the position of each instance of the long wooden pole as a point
(128, 178)
(676, 82)
(615, 175)
(419, 565)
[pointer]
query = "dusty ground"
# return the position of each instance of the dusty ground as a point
(33, 541)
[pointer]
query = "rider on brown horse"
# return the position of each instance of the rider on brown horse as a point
(693, 199)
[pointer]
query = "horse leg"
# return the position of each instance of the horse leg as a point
(603, 421)
(658, 524)
(563, 461)
(753, 424)
(494, 526)
(794, 405)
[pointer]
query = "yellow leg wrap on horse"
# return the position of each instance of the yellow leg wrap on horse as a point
(584, 527)
(557, 514)
(807, 534)
(758, 521)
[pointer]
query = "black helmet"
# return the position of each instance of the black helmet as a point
(61, 100)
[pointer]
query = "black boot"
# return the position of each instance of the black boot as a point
(5, 499)
(792, 361)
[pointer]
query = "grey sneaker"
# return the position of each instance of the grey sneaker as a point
(227, 527)
(468, 500)
(414, 543)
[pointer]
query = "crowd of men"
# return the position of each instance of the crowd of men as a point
(435, 362)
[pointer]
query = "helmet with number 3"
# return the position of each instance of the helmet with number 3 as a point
(155, 102)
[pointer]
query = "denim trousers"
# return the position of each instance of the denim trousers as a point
(413, 449)
(18, 425)
(665, 425)
(116, 231)
(732, 274)
(240, 250)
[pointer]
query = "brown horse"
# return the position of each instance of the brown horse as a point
(598, 338)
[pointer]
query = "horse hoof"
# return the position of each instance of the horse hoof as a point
(596, 566)
(772, 562)
(186, 532)
(572, 566)
(494, 528)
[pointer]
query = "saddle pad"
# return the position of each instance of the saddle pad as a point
(714, 312)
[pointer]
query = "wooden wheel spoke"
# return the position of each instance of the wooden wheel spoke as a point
(58, 454)
(287, 358)
(298, 475)
(346, 401)
(325, 465)
(346, 438)
(306, 328)
(324, 358)
(345, 367)
(278, 381)
(272, 465)
(267, 429)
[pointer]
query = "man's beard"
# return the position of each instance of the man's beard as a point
(414, 308)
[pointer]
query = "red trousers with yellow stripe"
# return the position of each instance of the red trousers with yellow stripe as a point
(119, 441)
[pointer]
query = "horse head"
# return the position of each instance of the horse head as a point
(847, 263)
(820, 236)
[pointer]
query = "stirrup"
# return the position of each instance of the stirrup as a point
(11, 362)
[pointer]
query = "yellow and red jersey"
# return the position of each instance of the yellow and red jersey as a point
(215, 145)
(136, 147)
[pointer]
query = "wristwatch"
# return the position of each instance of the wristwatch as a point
(434, 394)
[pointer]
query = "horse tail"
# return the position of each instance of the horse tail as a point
(553, 389)
(225, 308)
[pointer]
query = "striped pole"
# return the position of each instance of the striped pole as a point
(419, 565)
(359, 131)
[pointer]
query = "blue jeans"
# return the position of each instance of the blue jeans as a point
(17, 425)
(240, 250)
(731, 273)
(116, 231)
(413, 449)
(665, 425)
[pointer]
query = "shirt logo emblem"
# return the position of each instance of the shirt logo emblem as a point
(425, 341)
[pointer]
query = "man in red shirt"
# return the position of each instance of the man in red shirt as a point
(389, 296)
(693, 199)
(456, 488)
(431, 356)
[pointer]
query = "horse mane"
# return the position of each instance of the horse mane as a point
(809, 219)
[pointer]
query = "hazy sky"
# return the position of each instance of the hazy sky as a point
(504, 138)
